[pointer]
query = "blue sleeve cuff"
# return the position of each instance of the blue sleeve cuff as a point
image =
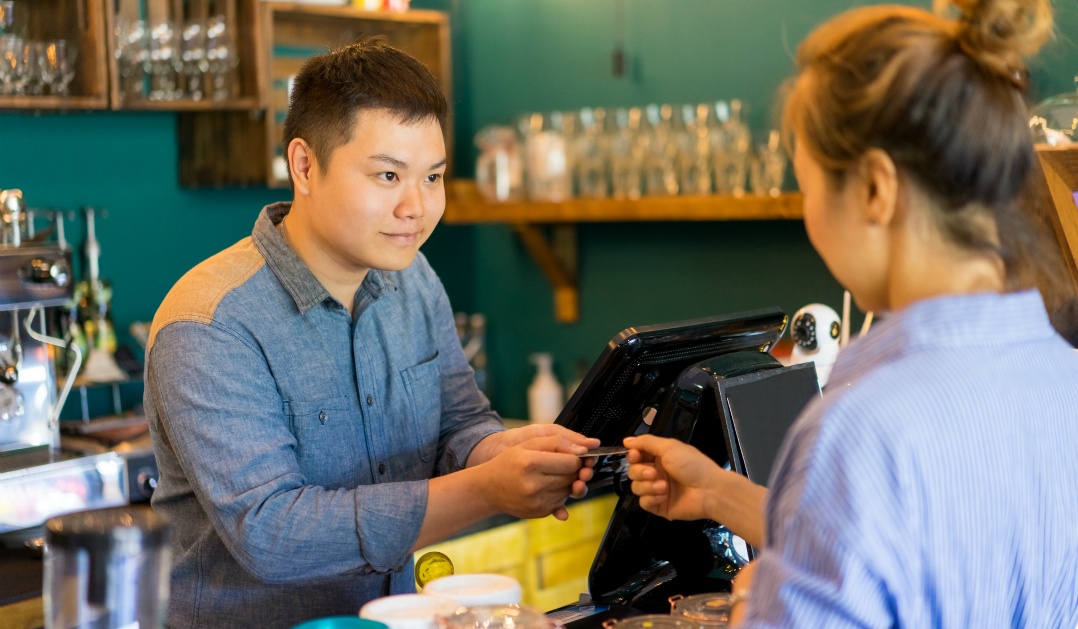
(388, 519)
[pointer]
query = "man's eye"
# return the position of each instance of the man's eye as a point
(434, 178)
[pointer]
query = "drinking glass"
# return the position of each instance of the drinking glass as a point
(10, 46)
(193, 58)
(164, 61)
(730, 157)
(34, 57)
(221, 58)
(133, 57)
(62, 54)
(661, 150)
(627, 154)
(7, 16)
(769, 166)
(590, 155)
(694, 150)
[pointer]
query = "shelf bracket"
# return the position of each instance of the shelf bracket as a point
(558, 260)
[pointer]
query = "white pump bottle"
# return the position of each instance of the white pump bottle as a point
(545, 397)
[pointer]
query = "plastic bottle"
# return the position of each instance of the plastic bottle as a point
(545, 399)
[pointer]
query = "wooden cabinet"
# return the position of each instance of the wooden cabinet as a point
(229, 148)
(80, 23)
(550, 559)
(232, 24)
(223, 141)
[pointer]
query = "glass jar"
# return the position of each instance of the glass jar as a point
(648, 621)
(704, 611)
(499, 169)
(497, 617)
(1055, 120)
(107, 569)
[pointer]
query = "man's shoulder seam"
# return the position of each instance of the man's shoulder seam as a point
(197, 294)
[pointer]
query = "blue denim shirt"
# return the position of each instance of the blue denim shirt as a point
(294, 440)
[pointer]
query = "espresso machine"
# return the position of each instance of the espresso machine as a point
(38, 477)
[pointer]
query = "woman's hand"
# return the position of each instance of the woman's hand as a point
(678, 482)
(672, 478)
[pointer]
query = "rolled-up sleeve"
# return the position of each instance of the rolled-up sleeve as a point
(231, 437)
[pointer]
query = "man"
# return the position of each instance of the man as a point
(312, 413)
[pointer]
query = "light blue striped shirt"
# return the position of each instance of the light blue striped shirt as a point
(935, 484)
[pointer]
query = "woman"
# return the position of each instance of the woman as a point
(936, 481)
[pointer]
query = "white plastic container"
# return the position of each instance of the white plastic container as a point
(470, 590)
(545, 396)
(408, 611)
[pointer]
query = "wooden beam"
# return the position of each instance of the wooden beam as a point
(558, 261)
(1060, 165)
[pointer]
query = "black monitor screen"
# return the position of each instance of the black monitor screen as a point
(640, 364)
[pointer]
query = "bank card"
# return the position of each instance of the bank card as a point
(605, 451)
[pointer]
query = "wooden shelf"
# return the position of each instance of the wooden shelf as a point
(191, 105)
(557, 256)
(466, 206)
(36, 103)
(416, 16)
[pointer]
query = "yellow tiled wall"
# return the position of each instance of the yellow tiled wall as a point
(549, 558)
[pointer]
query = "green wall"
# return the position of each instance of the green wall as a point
(509, 57)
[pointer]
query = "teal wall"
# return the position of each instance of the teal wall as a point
(509, 57)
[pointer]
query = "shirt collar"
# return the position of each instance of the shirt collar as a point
(978, 320)
(297, 279)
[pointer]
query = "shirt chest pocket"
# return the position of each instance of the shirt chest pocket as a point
(326, 440)
(424, 387)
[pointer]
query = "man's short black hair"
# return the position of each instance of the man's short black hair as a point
(331, 89)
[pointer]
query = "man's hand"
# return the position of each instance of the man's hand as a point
(534, 469)
(498, 443)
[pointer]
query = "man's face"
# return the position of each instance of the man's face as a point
(381, 194)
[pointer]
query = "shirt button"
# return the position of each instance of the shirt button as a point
(322, 417)
(370, 400)
(381, 468)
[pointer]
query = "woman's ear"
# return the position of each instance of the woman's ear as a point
(301, 163)
(879, 180)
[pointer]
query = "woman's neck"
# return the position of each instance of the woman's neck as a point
(923, 268)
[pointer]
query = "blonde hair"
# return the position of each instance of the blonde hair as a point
(943, 94)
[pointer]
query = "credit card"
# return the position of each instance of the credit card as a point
(605, 451)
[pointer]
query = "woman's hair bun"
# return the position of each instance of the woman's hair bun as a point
(1001, 34)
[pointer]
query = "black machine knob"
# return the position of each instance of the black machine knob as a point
(41, 271)
(146, 482)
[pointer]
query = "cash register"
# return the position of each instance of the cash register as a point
(711, 383)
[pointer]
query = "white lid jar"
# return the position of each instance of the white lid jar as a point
(408, 611)
(469, 590)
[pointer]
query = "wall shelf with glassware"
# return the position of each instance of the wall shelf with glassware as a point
(53, 55)
(176, 55)
(556, 256)
(221, 148)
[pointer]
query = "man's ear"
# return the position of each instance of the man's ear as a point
(301, 163)
(879, 178)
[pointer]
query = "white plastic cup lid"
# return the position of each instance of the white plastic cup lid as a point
(408, 611)
(476, 589)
